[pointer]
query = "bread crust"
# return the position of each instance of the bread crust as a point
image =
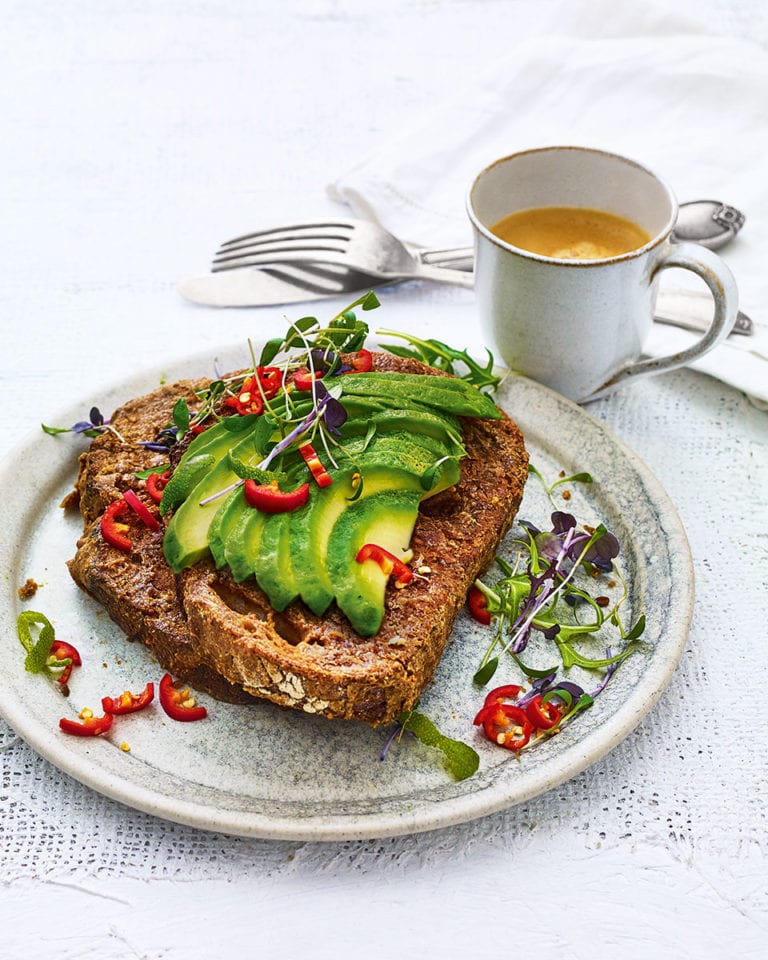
(224, 637)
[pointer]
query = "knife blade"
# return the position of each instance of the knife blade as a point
(687, 309)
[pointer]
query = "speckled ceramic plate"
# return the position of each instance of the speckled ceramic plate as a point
(265, 772)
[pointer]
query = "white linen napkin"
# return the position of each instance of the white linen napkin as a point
(692, 108)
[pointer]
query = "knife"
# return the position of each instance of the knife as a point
(687, 309)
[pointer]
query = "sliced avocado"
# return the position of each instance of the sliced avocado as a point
(443, 393)
(399, 449)
(386, 518)
(401, 443)
(184, 479)
(223, 524)
(206, 450)
(241, 548)
(186, 537)
(309, 529)
(311, 526)
(418, 424)
(433, 464)
(273, 567)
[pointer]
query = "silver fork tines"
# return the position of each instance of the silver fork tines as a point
(311, 241)
(359, 245)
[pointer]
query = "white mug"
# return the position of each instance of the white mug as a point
(579, 326)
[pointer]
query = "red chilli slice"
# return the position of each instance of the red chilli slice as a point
(141, 510)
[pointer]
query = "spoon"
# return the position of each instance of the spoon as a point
(707, 222)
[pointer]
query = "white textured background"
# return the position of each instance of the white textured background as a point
(134, 137)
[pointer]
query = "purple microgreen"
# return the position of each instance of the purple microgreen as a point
(281, 446)
(610, 670)
(154, 447)
(390, 740)
(526, 599)
(603, 551)
(572, 689)
(95, 425)
(325, 361)
(334, 415)
(162, 442)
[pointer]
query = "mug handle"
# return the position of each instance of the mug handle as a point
(718, 277)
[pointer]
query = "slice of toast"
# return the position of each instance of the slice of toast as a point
(224, 637)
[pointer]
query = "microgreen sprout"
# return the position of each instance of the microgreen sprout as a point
(539, 593)
(561, 480)
(162, 442)
(92, 427)
(440, 355)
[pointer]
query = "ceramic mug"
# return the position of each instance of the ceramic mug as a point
(579, 326)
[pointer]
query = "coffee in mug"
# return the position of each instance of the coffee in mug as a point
(571, 233)
(573, 321)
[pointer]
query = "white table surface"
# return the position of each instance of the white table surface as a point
(135, 137)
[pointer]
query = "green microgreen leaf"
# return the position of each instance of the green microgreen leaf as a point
(53, 431)
(530, 672)
(551, 487)
(573, 658)
(637, 631)
(559, 693)
(431, 475)
(486, 671)
(461, 759)
(270, 350)
(574, 478)
(370, 301)
(181, 416)
(582, 703)
(240, 424)
(143, 474)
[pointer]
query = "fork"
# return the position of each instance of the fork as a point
(365, 247)
(361, 246)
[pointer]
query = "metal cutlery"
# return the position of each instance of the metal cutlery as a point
(366, 247)
(361, 246)
(331, 258)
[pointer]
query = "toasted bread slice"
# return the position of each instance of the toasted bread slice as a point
(224, 637)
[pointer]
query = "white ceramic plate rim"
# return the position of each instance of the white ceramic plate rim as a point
(535, 408)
